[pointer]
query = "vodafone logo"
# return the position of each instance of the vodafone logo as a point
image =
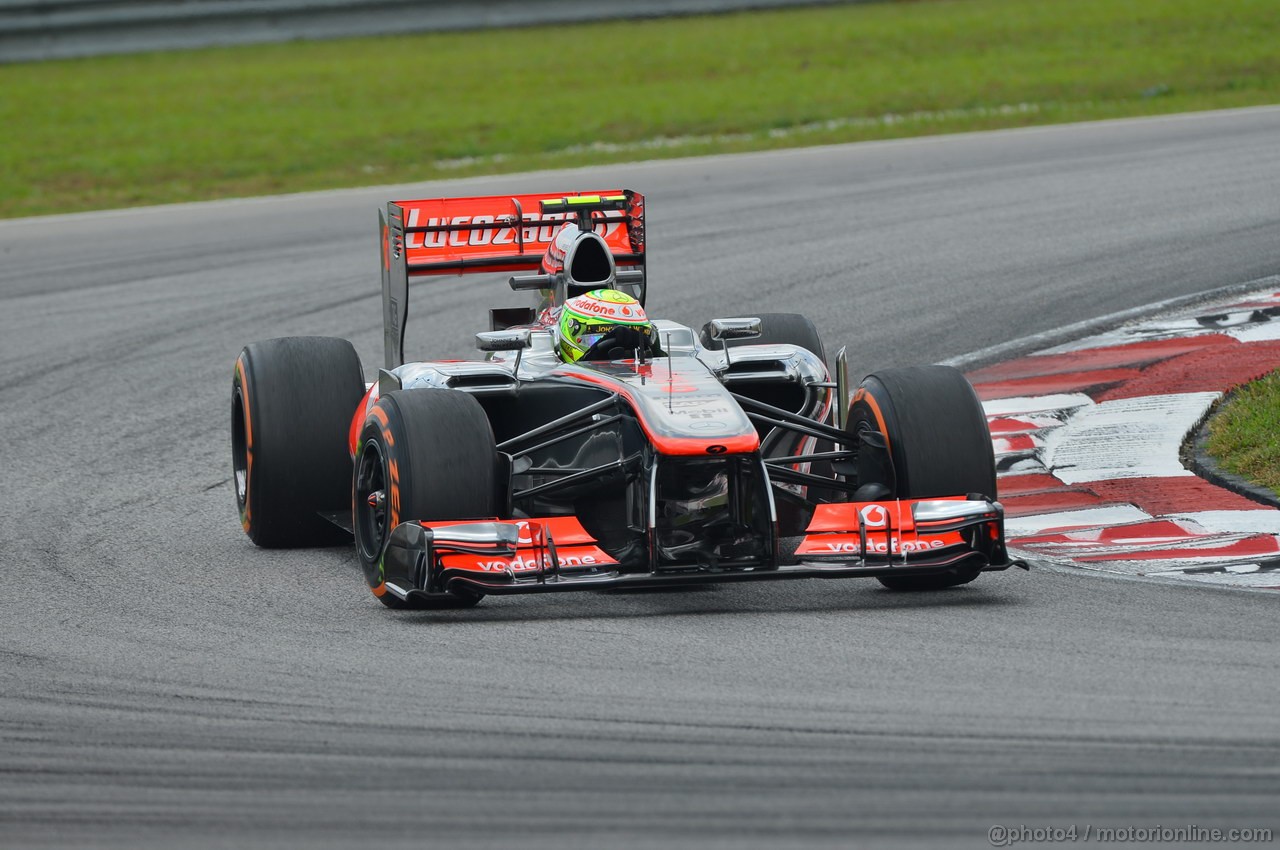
(593, 307)
(519, 563)
(875, 516)
(608, 309)
(894, 547)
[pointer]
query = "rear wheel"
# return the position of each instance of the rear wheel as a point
(937, 440)
(423, 455)
(292, 400)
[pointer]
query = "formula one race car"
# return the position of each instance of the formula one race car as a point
(593, 448)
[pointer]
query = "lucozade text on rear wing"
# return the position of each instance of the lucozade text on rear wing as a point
(508, 233)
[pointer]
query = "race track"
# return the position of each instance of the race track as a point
(164, 683)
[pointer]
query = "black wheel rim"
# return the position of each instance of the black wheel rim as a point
(371, 515)
(860, 427)
(239, 449)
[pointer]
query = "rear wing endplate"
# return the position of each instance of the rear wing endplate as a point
(488, 234)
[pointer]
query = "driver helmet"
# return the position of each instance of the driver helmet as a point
(587, 319)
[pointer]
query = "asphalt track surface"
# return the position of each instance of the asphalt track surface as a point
(164, 683)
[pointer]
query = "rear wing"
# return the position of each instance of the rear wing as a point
(489, 234)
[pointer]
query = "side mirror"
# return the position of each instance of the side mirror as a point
(726, 329)
(515, 339)
(523, 282)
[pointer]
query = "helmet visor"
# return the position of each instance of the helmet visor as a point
(592, 334)
(597, 330)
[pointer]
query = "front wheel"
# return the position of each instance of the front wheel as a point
(292, 400)
(938, 444)
(424, 455)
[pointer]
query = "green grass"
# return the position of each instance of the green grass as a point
(1244, 436)
(149, 128)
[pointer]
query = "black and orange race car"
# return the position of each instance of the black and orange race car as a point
(730, 453)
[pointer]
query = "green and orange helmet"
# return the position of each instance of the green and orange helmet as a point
(587, 319)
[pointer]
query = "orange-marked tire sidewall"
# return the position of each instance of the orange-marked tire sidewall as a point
(379, 432)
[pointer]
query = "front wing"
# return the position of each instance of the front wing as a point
(552, 554)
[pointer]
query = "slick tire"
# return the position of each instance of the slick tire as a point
(776, 329)
(938, 442)
(431, 453)
(291, 405)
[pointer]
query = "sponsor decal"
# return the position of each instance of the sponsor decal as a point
(848, 543)
(895, 546)
(590, 306)
(875, 516)
(521, 563)
(524, 533)
(499, 230)
(531, 536)
(393, 472)
(483, 236)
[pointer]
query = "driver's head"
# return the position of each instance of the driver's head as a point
(601, 313)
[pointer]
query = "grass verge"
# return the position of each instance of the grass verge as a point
(151, 128)
(1244, 436)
